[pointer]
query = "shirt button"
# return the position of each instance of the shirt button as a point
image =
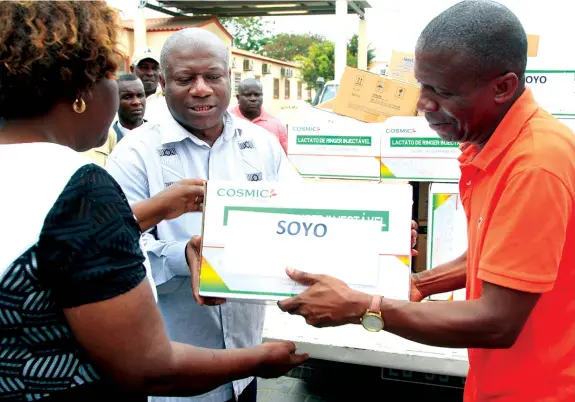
(469, 182)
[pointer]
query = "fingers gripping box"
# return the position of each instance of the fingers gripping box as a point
(252, 231)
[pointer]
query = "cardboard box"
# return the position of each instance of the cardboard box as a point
(532, 45)
(252, 231)
(401, 67)
(373, 98)
(447, 228)
(410, 150)
(554, 90)
(347, 149)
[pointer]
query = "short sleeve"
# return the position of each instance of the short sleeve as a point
(526, 235)
(89, 246)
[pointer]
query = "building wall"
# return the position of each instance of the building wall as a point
(126, 45)
(155, 39)
(286, 97)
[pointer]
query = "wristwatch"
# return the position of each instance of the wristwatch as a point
(372, 319)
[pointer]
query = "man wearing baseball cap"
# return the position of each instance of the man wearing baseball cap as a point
(146, 65)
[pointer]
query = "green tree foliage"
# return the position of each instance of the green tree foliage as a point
(352, 51)
(320, 60)
(287, 46)
(250, 33)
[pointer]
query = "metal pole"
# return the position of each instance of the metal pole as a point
(140, 28)
(362, 46)
(341, 40)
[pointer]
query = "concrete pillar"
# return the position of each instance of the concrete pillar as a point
(362, 46)
(140, 42)
(341, 40)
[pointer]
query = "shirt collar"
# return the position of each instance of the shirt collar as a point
(262, 117)
(171, 131)
(506, 132)
(124, 129)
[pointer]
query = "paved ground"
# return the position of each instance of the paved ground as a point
(287, 389)
(335, 382)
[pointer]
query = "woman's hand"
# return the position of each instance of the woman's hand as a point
(181, 197)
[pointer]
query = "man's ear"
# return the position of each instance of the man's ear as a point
(163, 82)
(506, 87)
(238, 97)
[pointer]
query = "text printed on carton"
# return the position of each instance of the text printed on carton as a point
(358, 233)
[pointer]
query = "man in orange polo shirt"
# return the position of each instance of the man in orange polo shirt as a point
(518, 191)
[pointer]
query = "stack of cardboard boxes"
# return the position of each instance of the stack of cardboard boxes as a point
(374, 134)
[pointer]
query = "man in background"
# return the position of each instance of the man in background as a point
(132, 105)
(130, 116)
(146, 66)
(250, 99)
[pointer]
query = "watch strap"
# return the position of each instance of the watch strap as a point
(375, 305)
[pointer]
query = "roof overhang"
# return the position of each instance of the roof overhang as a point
(240, 8)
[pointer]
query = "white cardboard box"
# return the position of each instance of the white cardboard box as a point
(346, 149)
(252, 231)
(447, 227)
(410, 150)
(554, 90)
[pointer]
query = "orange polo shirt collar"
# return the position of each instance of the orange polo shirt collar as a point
(505, 133)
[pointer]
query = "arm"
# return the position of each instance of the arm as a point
(100, 284)
(148, 213)
(125, 335)
(167, 258)
(184, 196)
(492, 321)
(512, 276)
(443, 278)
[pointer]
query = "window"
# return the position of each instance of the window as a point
(287, 89)
(237, 80)
(276, 88)
(299, 89)
(309, 94)
(124, 68)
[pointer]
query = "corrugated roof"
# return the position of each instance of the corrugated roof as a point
(175, 23)
(237, 8)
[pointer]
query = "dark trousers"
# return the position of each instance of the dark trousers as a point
(249, 393)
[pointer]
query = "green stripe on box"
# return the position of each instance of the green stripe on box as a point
(381, 216)
(421, 142)
(549, 71)
(339, 140)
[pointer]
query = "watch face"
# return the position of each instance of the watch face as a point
(372, 322)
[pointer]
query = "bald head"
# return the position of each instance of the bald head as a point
(195, 75)
(193, 39)
(248, 84)
(488, 37)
